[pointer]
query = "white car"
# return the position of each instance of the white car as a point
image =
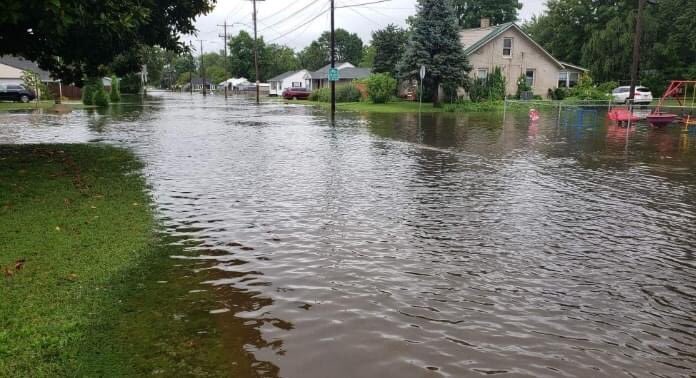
(621, 94)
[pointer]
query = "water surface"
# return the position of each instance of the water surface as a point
(470, 245)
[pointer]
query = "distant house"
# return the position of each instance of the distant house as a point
(233, 84)
(517, 54)
(198, 85)
(290, 79)
(12, 68)
(346, 73)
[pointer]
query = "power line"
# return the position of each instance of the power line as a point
(306, 22)
(362, 4)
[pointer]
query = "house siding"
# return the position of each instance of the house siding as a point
(10, 75)
(525, 55)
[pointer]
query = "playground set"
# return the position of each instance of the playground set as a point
(678, 90)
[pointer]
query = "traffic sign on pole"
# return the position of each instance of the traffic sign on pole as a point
(333, 74)
(422, 72)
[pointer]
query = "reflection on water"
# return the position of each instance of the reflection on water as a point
(473, 244)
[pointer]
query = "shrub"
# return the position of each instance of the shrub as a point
(115, 95)
(347, 93)
(101, 99)
(314, 96)
(492, 88)
(585, 90)
(380, 88)
(131, 83)
(88, 91)
(522, 86)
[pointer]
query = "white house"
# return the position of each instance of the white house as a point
(291, 79)
(12, 68)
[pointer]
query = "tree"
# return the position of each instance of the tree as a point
(241, 55)
(389, 44)
(349, 47)
(599, 34)
(313, 57)
(279, 59)
(434, 43)
(73, 38)
(368, 60)
(115, 95)
(470, 12)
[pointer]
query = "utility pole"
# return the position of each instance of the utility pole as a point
(333, 61)
(191, 67)
(256, 55)
(636, 48)
(205, 91)
(224, 40)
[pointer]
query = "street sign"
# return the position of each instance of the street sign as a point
(422, 72)
(333, 74)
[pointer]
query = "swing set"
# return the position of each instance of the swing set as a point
(679, 90)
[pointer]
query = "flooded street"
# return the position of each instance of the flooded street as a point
(471, 245)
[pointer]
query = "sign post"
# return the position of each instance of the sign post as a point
(420, 101)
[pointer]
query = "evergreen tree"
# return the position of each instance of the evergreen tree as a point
(434, 43)
(115, 94)
(470, 12)
(389, 45)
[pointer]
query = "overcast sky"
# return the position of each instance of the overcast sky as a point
(296, 23)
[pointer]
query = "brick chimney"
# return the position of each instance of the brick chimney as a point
(485, 22)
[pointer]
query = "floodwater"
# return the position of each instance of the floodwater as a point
(470, 245)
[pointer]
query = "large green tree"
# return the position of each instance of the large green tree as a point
(313, 57)
(279, 59)
(349, 48)
(470, 12)
(389, 44)
(434, 43)
(599, 34)
(241, 50)
(74, 38)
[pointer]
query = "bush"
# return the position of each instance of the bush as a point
(101, 98)
(88, 91)
(347, 93)
(522, 86)
(558, 93)
(380, 88)
(115, 94)
(585, 90)
(131, 83)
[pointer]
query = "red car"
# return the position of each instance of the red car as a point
(295, 93)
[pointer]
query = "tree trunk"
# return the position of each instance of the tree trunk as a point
(436, 95)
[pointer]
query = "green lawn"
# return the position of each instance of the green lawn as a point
(81, 272)
(4, 106)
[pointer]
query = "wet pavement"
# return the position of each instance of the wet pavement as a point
(470, 245)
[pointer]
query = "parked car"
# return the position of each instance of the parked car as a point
(295, 93)
(15, 93)
(621, 94)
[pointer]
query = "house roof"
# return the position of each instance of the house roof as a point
(474, 39)
(573, 66)
(25, 65)
(284, 75)
(354, 73)
(323, 72)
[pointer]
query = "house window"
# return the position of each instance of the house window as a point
(296, 84)
(573, 78)
(530, 75)
(562, 79)
(507, 47)
(482, 73)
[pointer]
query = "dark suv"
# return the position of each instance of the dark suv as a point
(11, 92)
